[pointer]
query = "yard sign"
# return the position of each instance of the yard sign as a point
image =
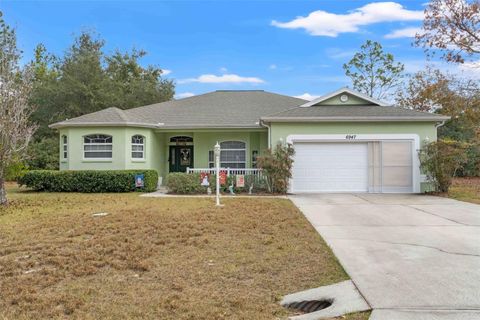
(223, 177)
(139, 180)
(240, 181)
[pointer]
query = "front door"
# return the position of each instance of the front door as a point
(181, 157)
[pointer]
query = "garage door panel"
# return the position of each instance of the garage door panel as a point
(397, 176)
(330, 167)
(349, 167)
(397, 166)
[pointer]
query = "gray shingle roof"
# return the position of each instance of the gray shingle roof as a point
(222, 109)
(106, 115)
(352, 112)
(240, 109)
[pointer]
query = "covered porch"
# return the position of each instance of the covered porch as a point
(192, 151)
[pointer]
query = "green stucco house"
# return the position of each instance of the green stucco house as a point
(344, 141)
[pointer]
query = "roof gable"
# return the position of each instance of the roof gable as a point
(353, 98)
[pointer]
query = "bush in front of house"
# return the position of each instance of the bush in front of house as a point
(88, 181)
(184, 183)
(442, 160)
(190, 183)
(277, 167)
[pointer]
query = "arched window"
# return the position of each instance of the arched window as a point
(233, 154)
(97, 146)
(64, 147)
(138, 147)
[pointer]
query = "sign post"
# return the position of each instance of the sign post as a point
(217, 169)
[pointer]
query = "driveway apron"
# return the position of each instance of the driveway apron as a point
(411, 256)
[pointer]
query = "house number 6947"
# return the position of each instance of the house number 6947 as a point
(351, 136)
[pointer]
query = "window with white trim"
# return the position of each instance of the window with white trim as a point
(232, 155)
(97, 146)
(138, 147)
(211, 159)
(64, 147)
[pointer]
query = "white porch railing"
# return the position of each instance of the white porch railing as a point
(230, 171)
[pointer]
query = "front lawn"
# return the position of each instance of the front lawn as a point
(465, 189)
(155, 258)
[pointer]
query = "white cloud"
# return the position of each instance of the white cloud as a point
(223, 70)
(323, 23)
(184, 95)
(337, 53)
(467, 70)
(224, 78)
(470, 69)
(166, 71)
(403, 33)
(307, 96)
(272, 67)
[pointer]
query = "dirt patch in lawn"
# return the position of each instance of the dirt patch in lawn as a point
(155, 258)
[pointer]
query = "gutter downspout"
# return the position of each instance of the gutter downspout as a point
(439, 124)
(262, 123)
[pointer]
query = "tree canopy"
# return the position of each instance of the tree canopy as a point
(431, 90)
(373, 71)
(453, 28)
(86, 79)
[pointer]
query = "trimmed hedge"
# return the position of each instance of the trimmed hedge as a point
(184, 183)
(88, 180)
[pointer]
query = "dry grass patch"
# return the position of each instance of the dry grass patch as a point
(155, 258)
(465, 189)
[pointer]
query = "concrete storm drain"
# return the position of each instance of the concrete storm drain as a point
(326, 302)
(310, 306)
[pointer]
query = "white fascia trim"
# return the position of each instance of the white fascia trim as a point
(365, 138)
(343, 90)
(101, 124)
(355, 119)
(144, 125)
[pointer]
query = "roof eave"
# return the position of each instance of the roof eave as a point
(60, 125)
(354, 119)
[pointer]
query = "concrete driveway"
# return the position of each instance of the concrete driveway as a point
(411, 256)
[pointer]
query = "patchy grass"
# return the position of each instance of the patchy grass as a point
(155, 258)
(465, 189)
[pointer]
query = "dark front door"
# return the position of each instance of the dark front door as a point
(181, 157)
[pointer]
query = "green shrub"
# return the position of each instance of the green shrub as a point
(190, 183)
(441, 161)
(15, 171)
(43, 155)
(258, 183)
(472, 167)
(184, 183)
(88, 180)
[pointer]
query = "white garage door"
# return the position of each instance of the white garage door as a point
(330, 167)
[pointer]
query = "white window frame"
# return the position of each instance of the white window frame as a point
(137, 144)
(211, 164)
(97, 144)
(64, 147)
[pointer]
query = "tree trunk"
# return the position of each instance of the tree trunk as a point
(3, 193)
